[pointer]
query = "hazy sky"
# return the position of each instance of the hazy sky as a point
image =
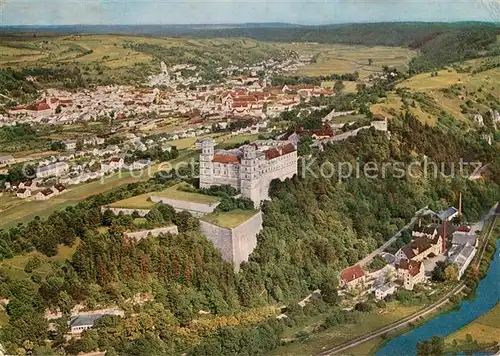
(58, 12)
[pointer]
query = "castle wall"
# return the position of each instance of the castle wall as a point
(192, 207)
(139, 235)
(117, 211)
(235, 244)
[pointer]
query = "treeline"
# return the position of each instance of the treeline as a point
(297, 80)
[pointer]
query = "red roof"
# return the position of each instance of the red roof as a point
(288, 148)
(352, 273)
(41, 106)
(272, 153)
(463, 228)
(228, 159)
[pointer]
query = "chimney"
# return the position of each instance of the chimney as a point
(443, 248)
(460, 204)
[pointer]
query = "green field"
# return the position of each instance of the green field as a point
(175, 192)
(230, 219)
(14, 267)
(318, 342)
(16, 210)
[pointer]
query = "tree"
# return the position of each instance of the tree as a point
(370, 61)
(58, 109)
(432, 347)
(338, 86)
(451, 273)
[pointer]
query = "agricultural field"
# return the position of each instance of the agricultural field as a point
(125, 59)
(230, 219)
(340, 58)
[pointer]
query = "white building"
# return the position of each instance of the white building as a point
(50, 170)
(385, 290)
(250, 169)
(6, 159)
(81, 323)
(23, 193)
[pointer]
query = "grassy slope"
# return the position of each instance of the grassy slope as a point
(230, 219)
(475, 87)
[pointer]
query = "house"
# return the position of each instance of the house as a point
(58, 189)
(23, 193)
(165, 147)
(421, 248)
(352, 277)
(6, 159)
(81, 323)
(385, 290)
(45, 194)
(445, 215)
(429, 231)
(141, 164)
(70, 144)
(461, 256)
(29, 184)
(464, 236)
(55, 169)
(112, 164)
(410, 272)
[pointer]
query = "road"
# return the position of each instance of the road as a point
(404, 322)
(381, 249)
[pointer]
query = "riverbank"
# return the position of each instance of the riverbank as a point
(482, 334)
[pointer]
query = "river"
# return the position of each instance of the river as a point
(486, 297)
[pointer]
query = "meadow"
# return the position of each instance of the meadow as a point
(484, 330)
(341, 58)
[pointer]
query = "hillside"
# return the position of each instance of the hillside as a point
(461, 90)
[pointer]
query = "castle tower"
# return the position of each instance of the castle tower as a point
(206, 165)
(250, 175)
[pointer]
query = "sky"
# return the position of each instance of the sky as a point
(311, 12)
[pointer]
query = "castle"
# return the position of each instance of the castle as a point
(250, 169)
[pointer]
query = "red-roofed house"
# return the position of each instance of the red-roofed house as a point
(352, 277)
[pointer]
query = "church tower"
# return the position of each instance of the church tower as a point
(250, 175)
(206, 164)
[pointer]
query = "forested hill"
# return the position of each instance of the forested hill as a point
(440, 43)
(413, 34)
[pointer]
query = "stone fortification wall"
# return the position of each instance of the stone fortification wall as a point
(139, 235)
(192, 207)
(234, 244)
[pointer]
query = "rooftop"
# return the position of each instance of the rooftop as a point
(83, 320)
(352, 273)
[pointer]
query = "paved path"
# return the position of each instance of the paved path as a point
(381, 249)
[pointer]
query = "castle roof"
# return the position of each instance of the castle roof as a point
(226, 158)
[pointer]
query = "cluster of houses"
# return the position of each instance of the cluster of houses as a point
(181, 95)
(413, 263)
